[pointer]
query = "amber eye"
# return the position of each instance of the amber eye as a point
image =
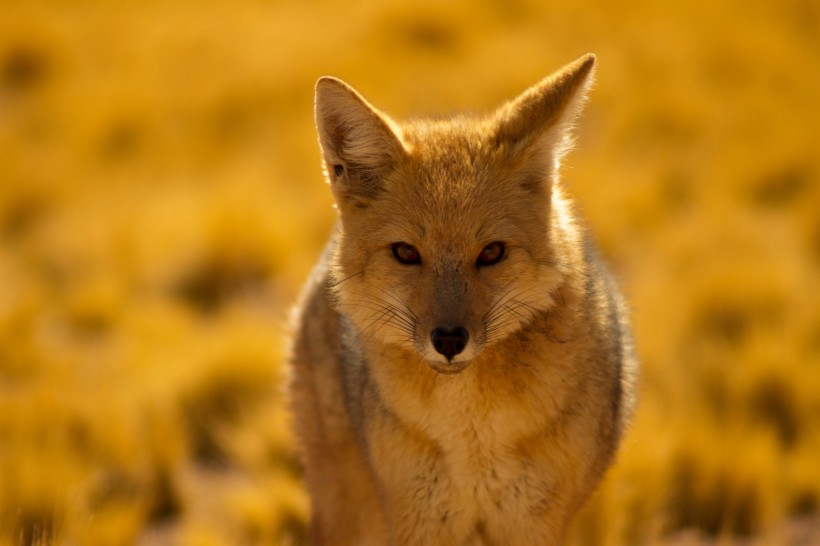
(491, 254)
(406, 254)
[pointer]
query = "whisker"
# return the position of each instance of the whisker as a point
(342, 281)
(498, 307)
(383, 313)
(497, 303)
(510, 308)
(402, 304)
(400, 314)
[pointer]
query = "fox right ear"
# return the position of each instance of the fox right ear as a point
(536, 126)
(359, 143)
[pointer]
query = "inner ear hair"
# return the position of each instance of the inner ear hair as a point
(359, 143)
(543, 114)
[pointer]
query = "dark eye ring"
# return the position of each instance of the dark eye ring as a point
(406, 254)
(491, 254)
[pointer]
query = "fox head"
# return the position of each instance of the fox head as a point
(451, 231)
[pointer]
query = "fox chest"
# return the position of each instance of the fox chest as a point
(475, 459)
(474, 486)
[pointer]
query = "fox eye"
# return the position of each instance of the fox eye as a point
(406, 254)
(491, 254)
(338, 170)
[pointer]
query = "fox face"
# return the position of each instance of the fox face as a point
(449, 237)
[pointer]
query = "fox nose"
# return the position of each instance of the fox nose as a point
(449, 341)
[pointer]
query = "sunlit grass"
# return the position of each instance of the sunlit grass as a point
(161, 201)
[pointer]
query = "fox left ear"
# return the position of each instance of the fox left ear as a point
(536, 127)
(359, 143)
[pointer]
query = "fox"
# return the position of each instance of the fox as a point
(462, 367)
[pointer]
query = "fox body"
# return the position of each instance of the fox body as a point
(462, 366)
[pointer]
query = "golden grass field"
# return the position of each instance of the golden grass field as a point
(161, 201)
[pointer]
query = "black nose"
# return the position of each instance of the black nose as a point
(450, 341)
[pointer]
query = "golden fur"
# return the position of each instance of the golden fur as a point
(502, 442)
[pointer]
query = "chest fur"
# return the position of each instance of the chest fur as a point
(483, 452)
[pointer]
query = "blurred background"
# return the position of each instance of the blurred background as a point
(161, 202)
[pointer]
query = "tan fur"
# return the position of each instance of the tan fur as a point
(501, 443)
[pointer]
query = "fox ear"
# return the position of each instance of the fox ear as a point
(359, 143)
(534, 129)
